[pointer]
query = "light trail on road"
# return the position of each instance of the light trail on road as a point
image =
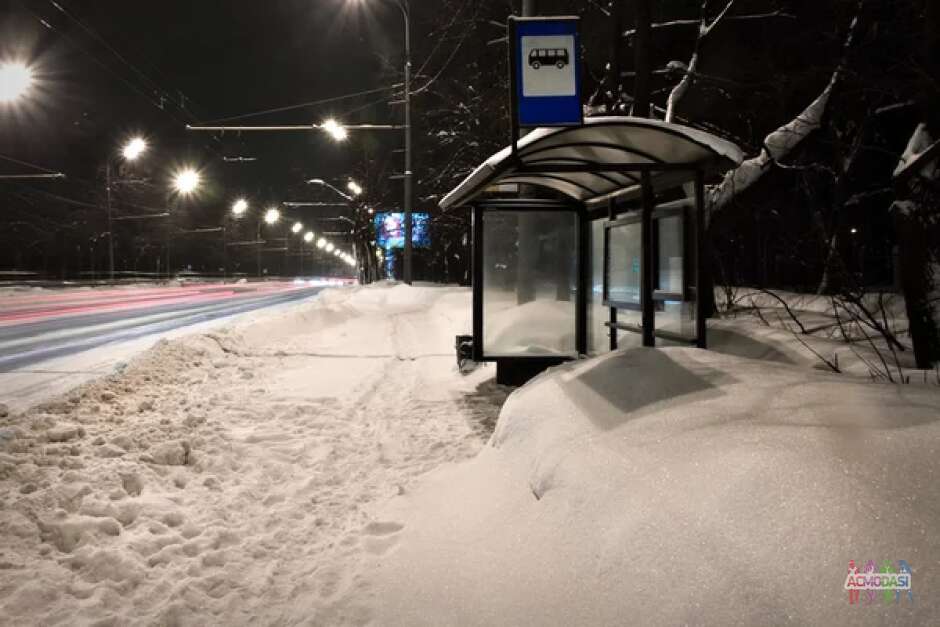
(37, 327)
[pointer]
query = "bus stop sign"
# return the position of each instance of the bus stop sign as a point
(546, 71)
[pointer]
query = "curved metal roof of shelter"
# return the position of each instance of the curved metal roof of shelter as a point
(581, 162)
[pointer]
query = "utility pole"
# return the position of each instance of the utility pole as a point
(527, 257)
(641, 65)
(107, 176)
(258, 245)
(409, 182)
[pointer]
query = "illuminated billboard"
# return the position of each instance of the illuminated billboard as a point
(390, 230)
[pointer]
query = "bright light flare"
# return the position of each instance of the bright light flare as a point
(240, 207)
(15, 81)
(187, 181)
(354, 188)
(330, 247)
(335, 130)
(272, 216)
(134, 148)
(297, 228)
(321, 243)
(308, 236)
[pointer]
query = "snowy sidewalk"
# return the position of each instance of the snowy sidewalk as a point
(232, 477)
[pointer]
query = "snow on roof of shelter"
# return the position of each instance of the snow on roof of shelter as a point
(601, 142)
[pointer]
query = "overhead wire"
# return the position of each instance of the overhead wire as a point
(303, 105)
(143, 75)
(26, 164)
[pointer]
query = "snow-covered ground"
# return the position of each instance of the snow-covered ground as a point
(230, 477)
(296, 468)
(676, 487)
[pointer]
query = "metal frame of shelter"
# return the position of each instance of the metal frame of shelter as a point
(602, 167)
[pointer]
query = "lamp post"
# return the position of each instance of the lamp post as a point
(323, 183)
(308, 239)
(405, 7)
(131, 151)
(271, 217)
(239, 209)
(406, 12)
(185, 183)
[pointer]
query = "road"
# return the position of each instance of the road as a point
(75, 332)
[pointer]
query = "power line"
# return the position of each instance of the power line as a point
(303, 105)
(27, 164)
(151, 84)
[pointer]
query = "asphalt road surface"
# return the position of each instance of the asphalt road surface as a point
(35, 328)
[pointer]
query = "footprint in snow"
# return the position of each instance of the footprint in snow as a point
(378, 528)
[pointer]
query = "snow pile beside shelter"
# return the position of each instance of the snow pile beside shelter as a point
(231, 477)
(676, 486)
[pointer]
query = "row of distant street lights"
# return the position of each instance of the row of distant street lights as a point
(187, 181)
(272, 216)
(17, 78)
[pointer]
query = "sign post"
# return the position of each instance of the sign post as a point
(545, 73)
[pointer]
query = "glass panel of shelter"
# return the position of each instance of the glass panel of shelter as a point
(674, 273)
(530, 275)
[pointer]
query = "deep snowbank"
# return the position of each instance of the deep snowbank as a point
(676, 486)
(231, 477)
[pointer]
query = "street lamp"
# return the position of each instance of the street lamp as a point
(15, 80)
(405, 7)
(131, 151)
(308, 236)
(354, 187)
(330, 247)
(297, 228)
(186, 181)
(321, 243)
(271, 217)
(239, 207)
(134, 148)
(336, 130)
(323, 183)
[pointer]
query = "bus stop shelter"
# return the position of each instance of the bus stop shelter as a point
(617, 247)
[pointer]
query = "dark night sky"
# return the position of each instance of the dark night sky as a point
(226, 58)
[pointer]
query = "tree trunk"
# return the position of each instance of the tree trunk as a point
(916, 281)
(916, 254)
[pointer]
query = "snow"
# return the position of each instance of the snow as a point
(326, 464)
(231, 476)
(674, 486)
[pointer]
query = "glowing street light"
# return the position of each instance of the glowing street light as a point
(297, 228)
(354, 187)
(321, 243)
(308, 236)
(330, 247)
(134, 148)
(336, 130)
(240, 207)
(272, 216)
(187, 181)
(15, 80)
